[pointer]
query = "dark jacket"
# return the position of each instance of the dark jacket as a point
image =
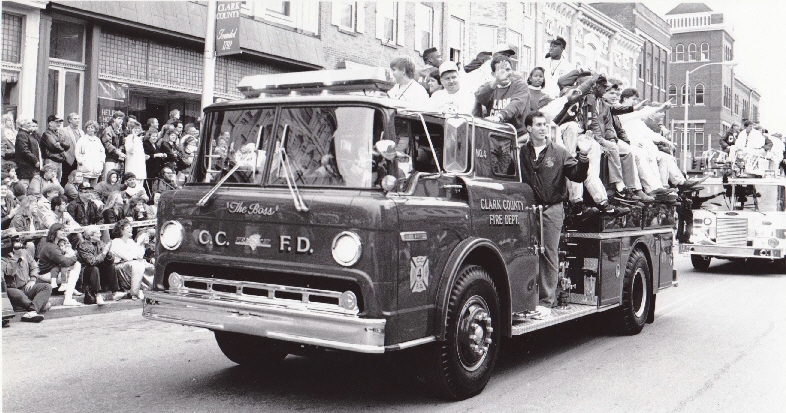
(153, 164)
(113, 142)
(27, 154)
(170, 149)
(571, 110)
(85, 214)
(728, 139)
(547, 174)
(594, 114)
(615, 120)
(90, 253)
(511, 103)
(111, 216)
(50, 256)
(53, 146)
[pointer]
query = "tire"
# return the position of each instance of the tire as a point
(461, 366)
(249, 351)
(636, 295)
(700, 262)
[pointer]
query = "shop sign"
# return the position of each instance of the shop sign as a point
(112, 96)
(228, 27)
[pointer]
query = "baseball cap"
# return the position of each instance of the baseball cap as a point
(85, 186)
(559, 41)
(504, 48)
(447, 66)
(53, 118)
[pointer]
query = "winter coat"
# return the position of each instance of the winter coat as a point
(54, 146)
(28, 153)
(90, 156)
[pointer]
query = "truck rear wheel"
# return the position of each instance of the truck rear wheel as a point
(461, 366)
(636, 294)
(249, 351)
(700, 262)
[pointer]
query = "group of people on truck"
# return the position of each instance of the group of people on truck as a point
(750, 140)
(566, 119)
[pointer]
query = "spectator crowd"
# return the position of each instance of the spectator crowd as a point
(70, 179)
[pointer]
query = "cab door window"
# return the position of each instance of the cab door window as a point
(412, 142)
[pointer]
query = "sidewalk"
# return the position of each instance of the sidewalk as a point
(59, 310)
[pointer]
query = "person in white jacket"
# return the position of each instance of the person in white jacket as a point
(90, 153)
(135, 151)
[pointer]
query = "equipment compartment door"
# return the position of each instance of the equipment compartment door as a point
(612, 272)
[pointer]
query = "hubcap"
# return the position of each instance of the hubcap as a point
(474, 333)
(639, 292)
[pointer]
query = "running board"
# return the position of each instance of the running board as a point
(558, 315)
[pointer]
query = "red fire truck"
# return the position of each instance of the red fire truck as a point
(323, 215)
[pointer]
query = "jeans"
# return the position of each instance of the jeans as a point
(594, 185)
(548, 273)
(33, 299)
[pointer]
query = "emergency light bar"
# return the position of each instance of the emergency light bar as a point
(317, 81)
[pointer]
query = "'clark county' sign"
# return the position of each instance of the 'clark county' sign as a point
(228, 27)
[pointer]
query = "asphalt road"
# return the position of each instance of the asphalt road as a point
(718, 344)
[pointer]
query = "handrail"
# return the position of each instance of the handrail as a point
(42, 233)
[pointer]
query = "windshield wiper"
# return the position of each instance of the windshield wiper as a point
(291, 184)
(202, 202)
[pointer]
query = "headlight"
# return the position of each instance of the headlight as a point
(707, 221)
(347, 248)
(772, 242)
(175, 281)
(171, 235)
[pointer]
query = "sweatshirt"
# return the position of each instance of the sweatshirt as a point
(510, 102)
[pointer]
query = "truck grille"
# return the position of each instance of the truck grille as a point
(732, 231)
(279, 284)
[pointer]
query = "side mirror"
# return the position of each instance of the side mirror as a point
(457, 144)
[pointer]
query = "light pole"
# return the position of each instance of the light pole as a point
(686, 98)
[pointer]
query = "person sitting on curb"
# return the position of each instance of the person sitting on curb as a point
(129, 259)
(95, 258)
(54, 261)
(20, 273)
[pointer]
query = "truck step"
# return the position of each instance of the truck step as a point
(558, 315)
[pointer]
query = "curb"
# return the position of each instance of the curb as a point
(59, 310)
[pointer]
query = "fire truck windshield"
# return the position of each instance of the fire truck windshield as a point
(326, 146)
(759, 197)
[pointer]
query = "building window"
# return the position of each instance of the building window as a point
(424, 27)
(67, 41)
(745, 110)
(679, 56)
(387, 21)
(727, 53)
(692, 52)
(699, 96)
(641, 72)
(486, 37)
(456, 39)
(673, 93)
(281, 8)
(685, 97)
(12, 38)
(736, 104)
(727, 97)
(705, 51)
(755, 113)
(347, 16)
(514, 38)
(656, 74)
(698, 141)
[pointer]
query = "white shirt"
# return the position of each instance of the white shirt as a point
(411, 92)
(463, 101)
(555, 69)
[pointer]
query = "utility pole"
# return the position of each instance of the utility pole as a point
(209, 66)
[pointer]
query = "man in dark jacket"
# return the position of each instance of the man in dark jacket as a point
(28, 152)
(53, 146)
(95, 258)
(83, 209)
(730, 137)
(112, 138)
(544, 166)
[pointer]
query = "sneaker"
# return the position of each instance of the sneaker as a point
(542, 313)
(62, 288)
(690, 183)
(100, 299)
(659, 191)
(46, 307)
(72, 303)
(141, 295)
(642, 196)
(118, 296)
(78, 293)
(53, 283)
(608, 209)
(577, 208)
(32, 317)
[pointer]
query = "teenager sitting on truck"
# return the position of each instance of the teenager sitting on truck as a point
(505, 98)
(545, 166)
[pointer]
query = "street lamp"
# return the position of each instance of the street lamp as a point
(686, 97)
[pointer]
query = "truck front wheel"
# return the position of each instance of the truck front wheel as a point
(636, 294)
(700, 262)
(461, 366)
(249, 351)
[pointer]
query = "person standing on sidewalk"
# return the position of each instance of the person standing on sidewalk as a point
(28, 151)
(545, 167)
(53, 145)
(112, 138)
(20, 273)
(71, 133)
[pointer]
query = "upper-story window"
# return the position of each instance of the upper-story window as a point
(296, 14)
(736, 104)
(424, 27)
(699, 96)
(673, 93)
(705, 51)
(67, 41)
(348, 15)
(692, 52)
(679, 53)
(387, 21)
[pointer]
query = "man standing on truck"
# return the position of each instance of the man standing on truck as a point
(544, 166)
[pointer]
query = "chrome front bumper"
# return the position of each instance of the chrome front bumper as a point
(731, 252)
(338, 331)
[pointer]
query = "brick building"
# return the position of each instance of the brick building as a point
(702, 41)
(652, 66)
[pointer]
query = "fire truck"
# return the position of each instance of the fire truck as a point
(323, 215)
(736, 215)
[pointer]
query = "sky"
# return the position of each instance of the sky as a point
(759, 50)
